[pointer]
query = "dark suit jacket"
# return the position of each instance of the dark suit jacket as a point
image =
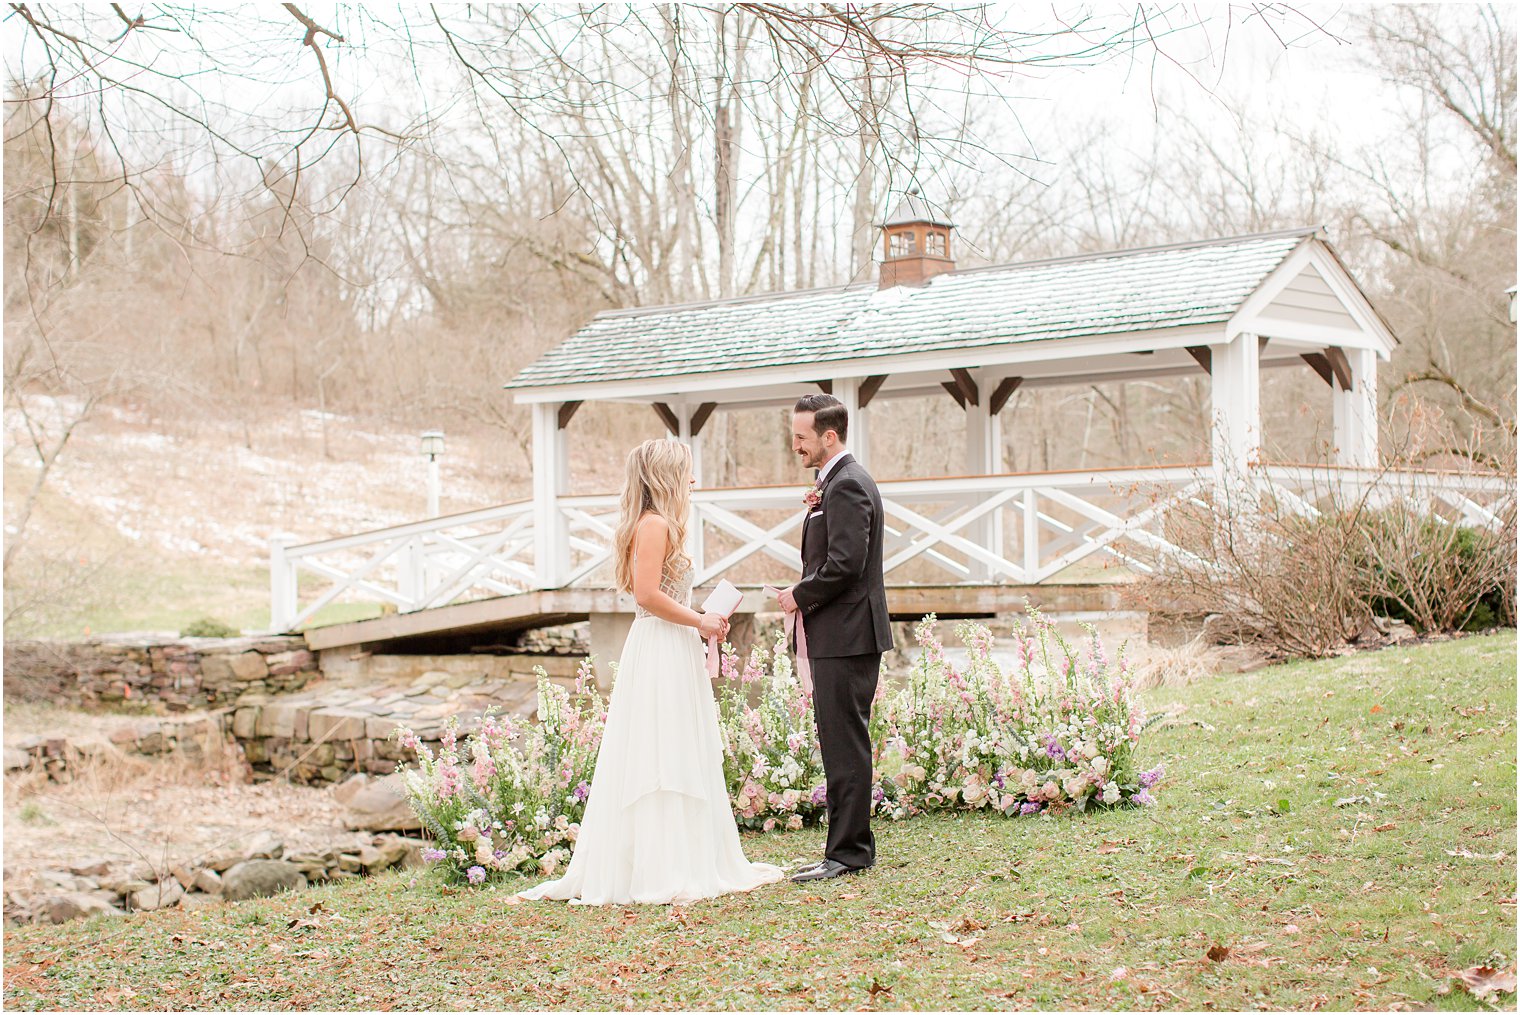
(842, 594)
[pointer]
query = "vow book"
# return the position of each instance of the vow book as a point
(723, 600)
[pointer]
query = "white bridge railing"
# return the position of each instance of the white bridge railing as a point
(1015, 529)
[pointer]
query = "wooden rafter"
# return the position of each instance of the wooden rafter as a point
(1004, 391)
(1339, 364)
(967, 385)
(700, 417)
(955, 392)
(668, 417)
(567, 412)
(827, 387)
(1321, 366)
(1204, 355)
(869, 387)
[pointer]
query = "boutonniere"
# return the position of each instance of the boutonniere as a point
(814, 496)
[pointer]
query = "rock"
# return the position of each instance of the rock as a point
(123, 884)
(15, 759)
(277, 720)
(160, 896)
(346, 790)
(264, 845)
(335, 724)
(261, 845)
(208, 881)
(69, 882)
(244, 721)
(372, 859)
(1220, 629)
(66, 906)
(98, 869)
(380, 805)
(398, 852)
(253, 878)
(349, 862)
(198, 900)
(247, 666)
(184, 875)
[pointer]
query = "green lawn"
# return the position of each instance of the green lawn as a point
(1303, 903)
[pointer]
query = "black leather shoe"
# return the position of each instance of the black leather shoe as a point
(827, 869)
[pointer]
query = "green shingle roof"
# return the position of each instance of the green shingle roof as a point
(1090, 295)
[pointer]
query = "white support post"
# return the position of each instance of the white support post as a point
(282, 586)
(411, 583)
(696, 543)
(1356, 412)
(1031, 537)
(1236, 408)
(847, 390)
(551, 548)
(983, 439)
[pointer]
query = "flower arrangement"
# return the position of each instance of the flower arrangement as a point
(1058, 731)
(513, 799)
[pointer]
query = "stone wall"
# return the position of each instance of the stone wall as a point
(294, 715)
(345, 725)
(164, 675)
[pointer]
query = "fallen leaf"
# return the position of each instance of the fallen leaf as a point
(1217, 953)
(1484, 982)
(1348, 801)
(1390, 826)
(878, 988)
(1375, 709)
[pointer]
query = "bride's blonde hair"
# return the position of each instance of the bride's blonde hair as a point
(658, 482)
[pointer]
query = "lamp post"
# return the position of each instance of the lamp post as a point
(432, 448)
(1510, 292)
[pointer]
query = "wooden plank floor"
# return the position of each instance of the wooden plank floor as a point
(506, 615)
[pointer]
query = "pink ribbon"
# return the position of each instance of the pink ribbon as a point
(712, 658)
(793, 621)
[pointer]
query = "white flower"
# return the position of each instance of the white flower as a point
(1100, 766)
(1111, 793)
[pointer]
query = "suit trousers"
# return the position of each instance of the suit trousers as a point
(843, 687)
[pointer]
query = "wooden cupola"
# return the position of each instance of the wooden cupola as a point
(915, 243)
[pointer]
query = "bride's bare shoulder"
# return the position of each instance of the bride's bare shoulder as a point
(653, 524)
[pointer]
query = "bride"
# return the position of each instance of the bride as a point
(658, 825)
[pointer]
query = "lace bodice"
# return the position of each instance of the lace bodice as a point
(676, 587)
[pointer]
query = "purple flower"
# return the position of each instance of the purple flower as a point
(500, 854)
(820, 795)
(1053, 749)
(432, 855)
(582, 791)
(1149, 779)
(476, 875)
(1029, 807)
(1143, 798)
(878, 795)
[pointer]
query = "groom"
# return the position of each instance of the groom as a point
(841, 603)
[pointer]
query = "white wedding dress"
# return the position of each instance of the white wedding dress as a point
(658, 825)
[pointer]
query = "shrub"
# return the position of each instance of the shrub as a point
(1434, 574)
(208, 627)
(1057, 732)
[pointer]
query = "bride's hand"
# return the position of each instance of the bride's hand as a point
(713, 626)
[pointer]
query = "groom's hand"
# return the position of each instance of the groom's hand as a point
(787, 600)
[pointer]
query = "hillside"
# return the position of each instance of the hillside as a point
(1336, 835)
